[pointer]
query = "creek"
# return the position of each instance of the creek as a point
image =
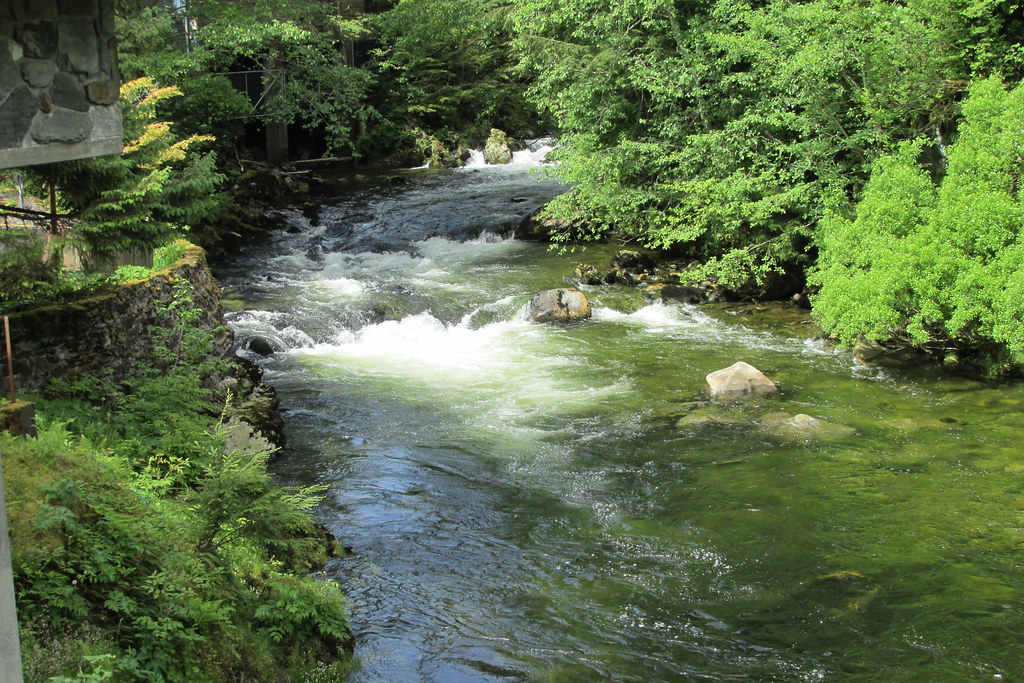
(559, 503)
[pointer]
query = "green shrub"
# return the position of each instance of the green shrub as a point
(936, 264)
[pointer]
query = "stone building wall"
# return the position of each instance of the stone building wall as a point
(107, 335)
(59, 81)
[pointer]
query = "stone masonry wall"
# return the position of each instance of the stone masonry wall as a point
(59, 81)
(107, 335)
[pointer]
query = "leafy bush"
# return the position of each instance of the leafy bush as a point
(25, 272)
(936, 264)
(167, 255)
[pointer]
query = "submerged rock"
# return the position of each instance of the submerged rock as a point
(801, 426)
(740, 380)
(559, 305)
(701, 419)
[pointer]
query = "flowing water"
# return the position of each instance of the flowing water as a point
(559, 503)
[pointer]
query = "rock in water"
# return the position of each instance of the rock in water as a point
(587, 274)
(803, 427)
(498, 148)
(740, 380)
(559, 306)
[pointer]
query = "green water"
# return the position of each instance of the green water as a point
(561, 503)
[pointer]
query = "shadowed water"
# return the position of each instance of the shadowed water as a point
(558, 503)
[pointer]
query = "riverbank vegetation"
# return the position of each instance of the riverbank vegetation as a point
(145, 547)
(869, 153)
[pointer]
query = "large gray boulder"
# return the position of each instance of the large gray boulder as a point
(559, 306)
(740, 380)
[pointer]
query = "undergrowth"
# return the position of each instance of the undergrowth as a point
(31, 277)
(144, 550)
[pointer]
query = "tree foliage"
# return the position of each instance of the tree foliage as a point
(936, 263)
(444, 70)
(727, 127)
(296, 42)
(155, 189)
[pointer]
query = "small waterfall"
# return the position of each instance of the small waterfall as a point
(476, 159)
(534, 155)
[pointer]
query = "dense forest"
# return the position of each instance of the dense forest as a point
(865, 153)
(779, 143)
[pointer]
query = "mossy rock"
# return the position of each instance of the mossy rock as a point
(498, 148)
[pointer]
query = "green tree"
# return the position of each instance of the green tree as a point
(444, 70)
(725, 127)
(298, 41)
(936, 265)
(158, 187)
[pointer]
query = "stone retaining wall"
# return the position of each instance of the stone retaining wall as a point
(59, 81)
(108, 334)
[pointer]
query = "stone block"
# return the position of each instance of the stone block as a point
(63, 125)
(38, 73)
(107, 123)
(103, 92)
(38, 40)
(10, 78)
(79, 46)
(69, 93)
(36, 10)
(16, 114)
(77, 8)
(14, 49)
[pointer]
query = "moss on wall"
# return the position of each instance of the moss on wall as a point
(108, 334)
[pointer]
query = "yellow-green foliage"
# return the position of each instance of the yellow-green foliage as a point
(936, 263)
(158, 187)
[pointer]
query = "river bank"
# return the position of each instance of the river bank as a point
(149, 540)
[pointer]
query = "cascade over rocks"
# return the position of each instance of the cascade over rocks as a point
(740, 380)
(559, 305)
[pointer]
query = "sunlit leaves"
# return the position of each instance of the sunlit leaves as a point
(752, 117)
(938, 264)
(160, 185)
